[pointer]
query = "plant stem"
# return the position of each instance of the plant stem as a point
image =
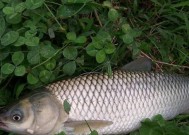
(63, 29)
(49, 58)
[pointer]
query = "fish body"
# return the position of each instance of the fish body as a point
(125, 98)
(109, 104)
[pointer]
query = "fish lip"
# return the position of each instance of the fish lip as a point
(2, 124)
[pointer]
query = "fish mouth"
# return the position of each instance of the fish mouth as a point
(2, 124)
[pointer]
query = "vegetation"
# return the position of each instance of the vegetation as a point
(42, 41)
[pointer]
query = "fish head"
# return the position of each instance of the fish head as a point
(38, 114)
(16, 117)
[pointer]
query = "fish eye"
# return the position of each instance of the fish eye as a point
(16, 117)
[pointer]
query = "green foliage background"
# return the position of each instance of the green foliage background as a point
(42, 41)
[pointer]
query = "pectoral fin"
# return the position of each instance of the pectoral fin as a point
(141, 64)
(81, 127)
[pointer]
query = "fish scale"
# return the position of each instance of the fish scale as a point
(125, 98)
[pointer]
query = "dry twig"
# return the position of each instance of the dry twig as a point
(163, 63)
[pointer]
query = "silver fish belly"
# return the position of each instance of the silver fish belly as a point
(125, 99)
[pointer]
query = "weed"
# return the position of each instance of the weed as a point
(42, 41)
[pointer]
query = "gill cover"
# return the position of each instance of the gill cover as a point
(39, 114)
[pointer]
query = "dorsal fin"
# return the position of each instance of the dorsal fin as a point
(140, 64)
(81, 127)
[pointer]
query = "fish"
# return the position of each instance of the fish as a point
(108, 104)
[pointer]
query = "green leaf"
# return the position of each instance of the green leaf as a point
(80, 60)
(127, 38)
(47, 51)
(7, 68)
(17, 57)
(135, 50)
(20, 7)
(135, 32)
(6, 1)
(2, 26)
(81, 40)
(12, 15)
(157, 2)
(103, 36)
(159, 119)
(33, 4)
(144, 130)
(94, 132)
(32, 79)
(20, 41)
(33, 41)
(20, 70)
(14, 18)
(4, 53)
(67, 106)
(71, 36)
(19, 90)
(61, 133)
(8, 10)
(97, 43)
(91, 50)
(66, 11)
(45, 76)
(51, 64)
(109, 48)
(113, 14)
(9, 38)
(134, 133)
(150, 128)
(87, 23)
(100, 56)
(109, 69)
(70, 53)
(126, 28)
(1, 4)
(4, 96)
(107, 4)
(33, 56)
(30, 33)
(69, 68)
